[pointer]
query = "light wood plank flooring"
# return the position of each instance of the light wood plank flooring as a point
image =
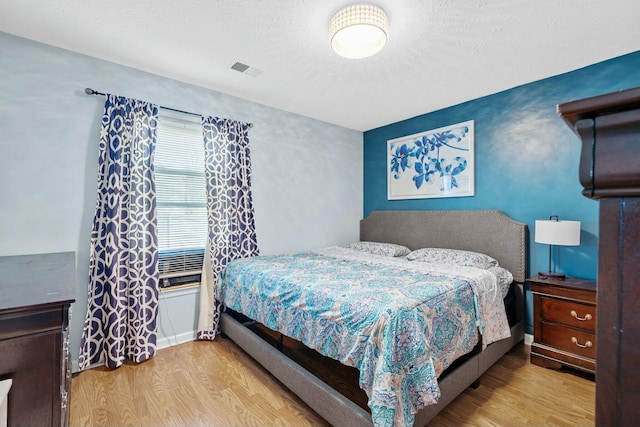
(204, 383)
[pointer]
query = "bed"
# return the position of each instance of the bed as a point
(488, 232)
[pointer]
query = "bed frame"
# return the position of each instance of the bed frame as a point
(489, 232)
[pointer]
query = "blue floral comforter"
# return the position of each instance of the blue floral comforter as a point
(401, 323)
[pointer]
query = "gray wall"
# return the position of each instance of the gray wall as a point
(307, 174)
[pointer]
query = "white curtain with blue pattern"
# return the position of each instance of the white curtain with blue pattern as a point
(123, 266)
(231, 224)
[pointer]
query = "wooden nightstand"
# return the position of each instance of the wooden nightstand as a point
(564, 323)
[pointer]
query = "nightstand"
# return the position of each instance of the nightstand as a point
(564, 323)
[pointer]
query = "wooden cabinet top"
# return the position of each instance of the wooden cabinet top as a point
(589, 108)
(569, 282)
(608, 126)
(570, 288)
(30, 280)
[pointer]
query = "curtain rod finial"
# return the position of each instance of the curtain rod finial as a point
(90, 91)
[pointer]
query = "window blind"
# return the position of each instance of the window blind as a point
(180, 197)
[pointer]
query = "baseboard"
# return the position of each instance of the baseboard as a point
(182, 338)
(528, 339)
(161, 343)
(75, 366)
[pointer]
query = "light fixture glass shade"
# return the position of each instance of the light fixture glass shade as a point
(563, 233)
(359, 31)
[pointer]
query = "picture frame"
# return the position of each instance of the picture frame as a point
(437, 163)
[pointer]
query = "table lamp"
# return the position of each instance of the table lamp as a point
(554, 232)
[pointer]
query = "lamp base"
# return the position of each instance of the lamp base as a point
(551, 275)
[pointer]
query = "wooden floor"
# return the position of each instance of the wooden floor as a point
(205, 383)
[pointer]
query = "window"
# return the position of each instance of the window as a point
(181, 198)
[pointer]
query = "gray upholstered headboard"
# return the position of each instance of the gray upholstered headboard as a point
(489, 232)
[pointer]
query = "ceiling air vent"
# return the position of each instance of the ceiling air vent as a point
(245, 69)
(239, 66)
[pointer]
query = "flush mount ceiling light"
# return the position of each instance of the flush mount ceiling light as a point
(359, 31)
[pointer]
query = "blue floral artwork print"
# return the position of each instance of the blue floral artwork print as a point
(435, 163)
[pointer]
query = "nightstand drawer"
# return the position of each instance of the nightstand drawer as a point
(569, 313)
(564, 322)
(574, 341)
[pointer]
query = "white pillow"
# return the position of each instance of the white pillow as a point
(453, 256)
(376, 248)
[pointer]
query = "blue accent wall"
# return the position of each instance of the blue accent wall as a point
(526, 159)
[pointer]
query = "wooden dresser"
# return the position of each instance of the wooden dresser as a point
(564, 323)
(36, 292)
(609, 128)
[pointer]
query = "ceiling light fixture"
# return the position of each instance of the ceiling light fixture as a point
(359, 31)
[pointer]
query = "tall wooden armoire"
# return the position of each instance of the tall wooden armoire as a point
(609, 127)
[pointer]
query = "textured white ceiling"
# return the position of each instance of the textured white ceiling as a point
(439, 53)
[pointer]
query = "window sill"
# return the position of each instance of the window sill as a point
(185, 286)
(176, 291)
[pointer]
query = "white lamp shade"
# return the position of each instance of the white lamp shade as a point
(358, 31)
(563, 233)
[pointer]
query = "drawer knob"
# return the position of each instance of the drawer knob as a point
(586, 317)
(585, 345)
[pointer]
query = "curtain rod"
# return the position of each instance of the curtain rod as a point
(90, 91)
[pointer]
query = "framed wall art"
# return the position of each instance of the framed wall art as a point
(431, 164)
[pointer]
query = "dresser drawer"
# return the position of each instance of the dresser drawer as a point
(569, 313)
(570, 340)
